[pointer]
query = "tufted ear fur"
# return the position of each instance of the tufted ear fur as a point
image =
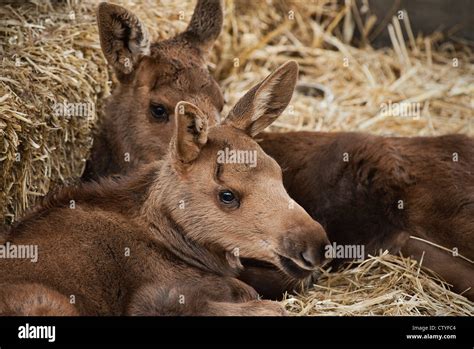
(191, 133)
(259, 107)
(123, 38)
(206, 24)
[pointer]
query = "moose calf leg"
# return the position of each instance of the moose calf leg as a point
(227, 297)
(251, 308)
(33, 300)
(270, 283)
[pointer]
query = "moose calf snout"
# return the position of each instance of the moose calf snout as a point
(305, 245)
(313, 256)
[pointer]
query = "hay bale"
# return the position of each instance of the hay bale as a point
(49, 57)
(50, 54)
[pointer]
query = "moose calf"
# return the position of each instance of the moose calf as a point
(152, 79)
(167, 240)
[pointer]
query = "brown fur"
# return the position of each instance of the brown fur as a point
(357, 201)
(181, 237)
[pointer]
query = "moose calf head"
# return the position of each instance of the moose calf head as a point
(228, 203)
(154, 77)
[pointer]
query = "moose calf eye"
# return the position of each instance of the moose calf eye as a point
(159, 112)
(228, 198)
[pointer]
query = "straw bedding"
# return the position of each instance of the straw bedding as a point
(380, 285)
(50, 54)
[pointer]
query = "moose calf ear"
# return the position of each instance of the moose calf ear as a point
(206, 24)
(190, 134)
(263, 103)
(123, 37)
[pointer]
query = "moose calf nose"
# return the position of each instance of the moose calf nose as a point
(305, 244)
(314, 255)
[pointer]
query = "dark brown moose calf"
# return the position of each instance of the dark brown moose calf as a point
(364, 189)
(386, 193)
(167, 240)
(152, 79)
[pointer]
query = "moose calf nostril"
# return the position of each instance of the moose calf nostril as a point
(309, 258)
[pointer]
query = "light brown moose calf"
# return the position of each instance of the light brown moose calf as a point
(167, 240)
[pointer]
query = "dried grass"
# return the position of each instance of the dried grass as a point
(342, 88)
(47, 58)
(353, 82)
(380, 285)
